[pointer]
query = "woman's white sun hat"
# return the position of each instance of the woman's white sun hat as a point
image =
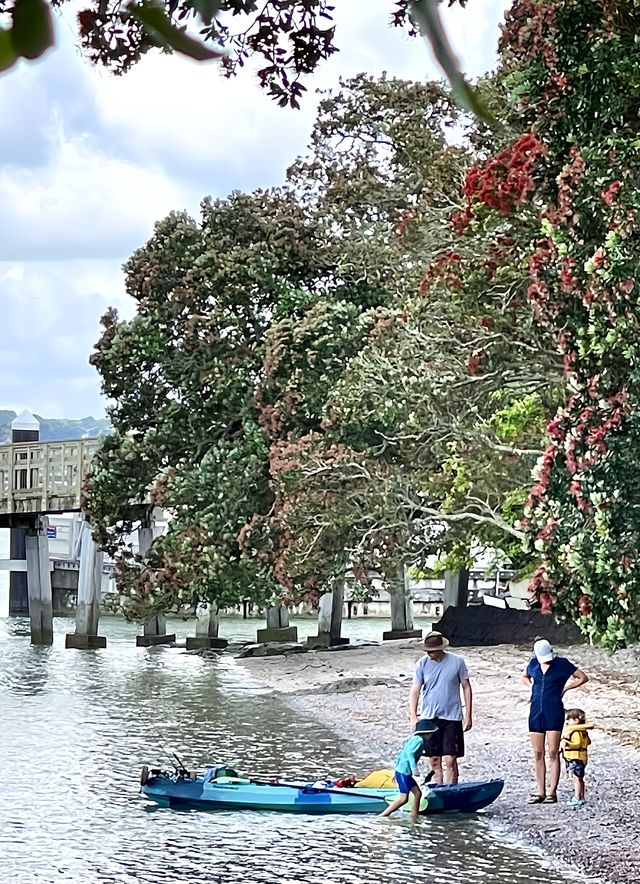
(543, 651)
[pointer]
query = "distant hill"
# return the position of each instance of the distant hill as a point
(58, 429)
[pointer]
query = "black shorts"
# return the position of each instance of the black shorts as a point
(447, 740)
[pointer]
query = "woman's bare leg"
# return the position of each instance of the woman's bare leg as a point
(537, 744)
(553, 751)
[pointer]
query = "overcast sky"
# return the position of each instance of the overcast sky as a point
(88, 163)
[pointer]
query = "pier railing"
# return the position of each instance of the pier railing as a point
(43, 477)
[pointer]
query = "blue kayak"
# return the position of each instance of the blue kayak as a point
(236, 793)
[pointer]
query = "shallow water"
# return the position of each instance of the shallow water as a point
(77, 726)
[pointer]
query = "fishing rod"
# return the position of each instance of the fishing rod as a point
(172, 756)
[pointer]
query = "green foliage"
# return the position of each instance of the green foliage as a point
(425, 12)
(573, 68)
(181, 375)
(160, 28)
(331, 374)
(384, 420)
(513, 422)
(29, 35)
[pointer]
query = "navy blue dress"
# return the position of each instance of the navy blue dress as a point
(547, 710)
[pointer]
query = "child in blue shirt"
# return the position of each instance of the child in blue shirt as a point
(406, 769)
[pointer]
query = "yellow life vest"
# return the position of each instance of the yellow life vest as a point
(378, 779)
(576, 742)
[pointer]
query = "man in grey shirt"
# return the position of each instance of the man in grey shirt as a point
(438, 679)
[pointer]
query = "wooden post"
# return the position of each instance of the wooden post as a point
(330, 612)
(89, 595)
(401, 610)
(207, 625)
(278, 629)
(155, 629)
(39, 584)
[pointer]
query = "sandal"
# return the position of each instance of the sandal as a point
(551, 799)
(536, 799)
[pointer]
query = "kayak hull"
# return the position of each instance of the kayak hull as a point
(171, 791)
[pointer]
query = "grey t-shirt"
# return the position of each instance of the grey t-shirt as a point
(440, 681)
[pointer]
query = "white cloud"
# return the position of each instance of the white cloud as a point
(85, 204)
(50, 325)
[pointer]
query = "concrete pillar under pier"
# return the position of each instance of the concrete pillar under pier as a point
(155, 629)
(401, 610)
(39, 584)
(207, 626)
(330, 619)
(278, 629)
(89, 595)
(456, 589)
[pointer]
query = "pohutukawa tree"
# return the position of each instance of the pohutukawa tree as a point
(409, 429)
(573, 69)
(181, 377)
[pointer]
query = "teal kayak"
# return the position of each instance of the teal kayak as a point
(236, 793)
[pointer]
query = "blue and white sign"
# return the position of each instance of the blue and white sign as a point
(52, 532)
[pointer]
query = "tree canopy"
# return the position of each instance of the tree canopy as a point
(456, 297)
(314, 379)
(289, 38)
(572, 69)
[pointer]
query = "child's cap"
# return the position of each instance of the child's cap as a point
(543, 651)
(426, 726)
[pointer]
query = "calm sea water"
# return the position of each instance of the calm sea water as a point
(77, 727)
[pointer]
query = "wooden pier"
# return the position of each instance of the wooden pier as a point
(39, 479)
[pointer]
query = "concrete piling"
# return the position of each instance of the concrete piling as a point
(89, 595)
(155, 629)
(401, 610)
(278, 629)
(330, 619)
(39, 584)
(207, 626)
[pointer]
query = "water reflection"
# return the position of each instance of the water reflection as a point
(77, 726)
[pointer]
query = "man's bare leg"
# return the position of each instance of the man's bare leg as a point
(451, 763)
(436, 766)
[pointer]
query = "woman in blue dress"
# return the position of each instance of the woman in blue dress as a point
(549, 678)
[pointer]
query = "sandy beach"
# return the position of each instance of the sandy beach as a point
(362, 693)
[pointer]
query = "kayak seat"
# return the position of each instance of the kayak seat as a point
(236, 780)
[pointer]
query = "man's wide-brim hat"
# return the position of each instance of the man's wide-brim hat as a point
(435, 641)
(426, 726)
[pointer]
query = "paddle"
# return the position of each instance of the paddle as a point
(326, 789)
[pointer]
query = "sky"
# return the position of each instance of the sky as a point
(89, 161)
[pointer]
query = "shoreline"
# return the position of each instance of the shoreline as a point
(361, 693)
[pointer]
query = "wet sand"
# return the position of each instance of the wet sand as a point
(362, 693)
